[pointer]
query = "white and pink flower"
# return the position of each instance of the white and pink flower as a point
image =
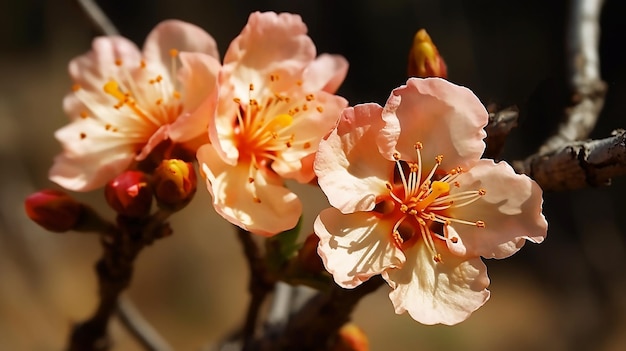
(413, 201)
(125, 102)
(275, 104)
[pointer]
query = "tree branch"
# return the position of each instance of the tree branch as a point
(260, 285)
(578, 164)
(500, 125)
(588, 89)
(98, 18)
(315, 326)
(139, 327)
(114, 270)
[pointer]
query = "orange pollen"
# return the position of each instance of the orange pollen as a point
(273, 77)
(118, 62)
(418, 146)
(83, 136)
(173, 52)
(310, 97)
(251, 87)
(480, 224)
(396, 156)
(306, 145)
(83, 114)
(142, 64)
(439, 159)
(482, 192)
(319, 109)
(76, 87)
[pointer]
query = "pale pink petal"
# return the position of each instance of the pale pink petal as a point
(511, 210)
(178, 35)
(326, 73)
(93, 69)
(270, 43)
(308, 128)
(447, 119)
(199, 78)
(279, 209)
(85, 136)
(349, 168)
(90, 171)
(356, 246)
(155, 139)
(221, 126)
(446, 292)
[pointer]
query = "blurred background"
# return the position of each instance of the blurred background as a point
(568, 293)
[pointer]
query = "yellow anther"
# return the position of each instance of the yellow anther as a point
(482, 192)
(113, 89)
(437, 258)
(306, 145)
(404, 208)
(250, 180)
(251, 87)
(396, 156)
(76, 87)
(176, 94)
(319, 109)
(280, 122)
(173, 52)
(118, 62)
(418, 145)
(83, 114)
(454, 239)
(480, 224)
(273, 77)
(142, 64)
(237, 100)
(438, 188)
(439, 159)
(310, 97)
(256, 200)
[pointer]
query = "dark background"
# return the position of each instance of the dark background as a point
(568, 293)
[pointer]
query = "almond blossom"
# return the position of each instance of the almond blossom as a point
(413, 201)
(275, 104)
(125, 102)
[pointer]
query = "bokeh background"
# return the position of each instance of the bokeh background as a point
(568, 293)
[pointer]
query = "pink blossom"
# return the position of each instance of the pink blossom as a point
(413, 201)
(275, 104)
(125, 102)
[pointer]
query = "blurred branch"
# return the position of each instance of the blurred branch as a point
(315, 325)
(98, 18)
(139, 327)
(578, 164)
(114, 270)
(259, 286)
(500, 125)
(588, 89)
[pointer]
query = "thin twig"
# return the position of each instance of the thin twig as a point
(588, 89)
(114, 270)
(98, 18)
(149, 338)
(259, 286)
(579, 164)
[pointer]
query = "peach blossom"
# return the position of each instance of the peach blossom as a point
(125, 102)
(413, 201)
(275, 104)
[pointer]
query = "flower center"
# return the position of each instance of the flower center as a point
(424, 203)
(265, 125)
(144, 101)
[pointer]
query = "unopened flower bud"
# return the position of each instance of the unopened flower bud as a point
(351, 338)
(174, 183)
(129, 194)
(54, 210)
(424, 58)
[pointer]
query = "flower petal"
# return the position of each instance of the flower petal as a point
(349, 168)
(93, 69)
(326, 73)
(307, 129)
(270, 43)
(179, 35)
(511, 210)
(432, 292)
(447, 119)
(90, 171)
(356, 246)
(199, 78)
(234, 195)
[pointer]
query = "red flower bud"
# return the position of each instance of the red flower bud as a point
(54, 210)
(129, 194)
(424, 58)
(174, 183)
